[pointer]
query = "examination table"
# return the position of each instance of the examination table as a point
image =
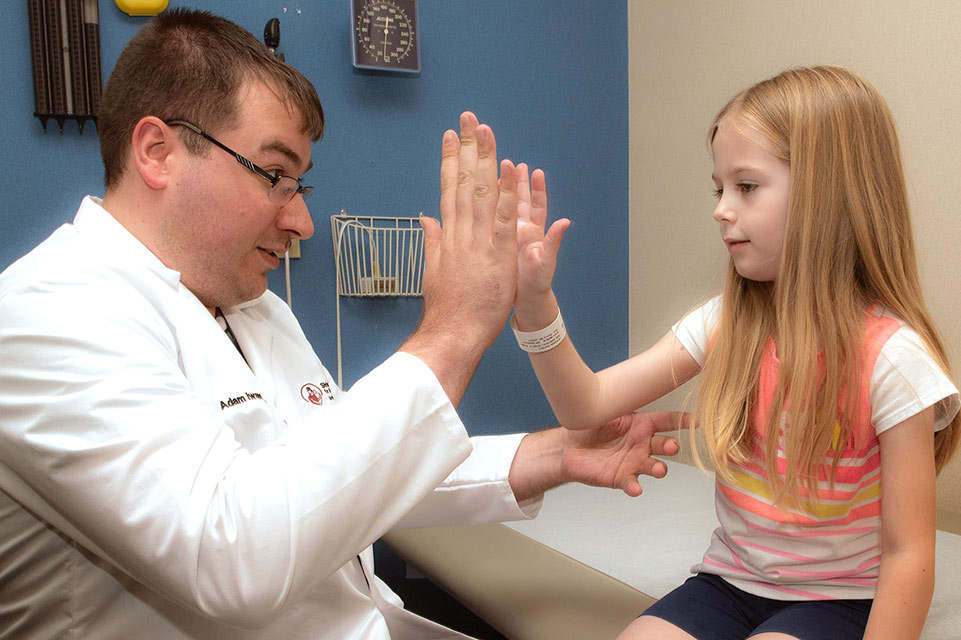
(595, 558)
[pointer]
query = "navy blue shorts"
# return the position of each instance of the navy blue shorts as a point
(710, 608)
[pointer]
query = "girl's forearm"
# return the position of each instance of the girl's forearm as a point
(584, 399)
(570, 385)
(903, 597)
(908, 481)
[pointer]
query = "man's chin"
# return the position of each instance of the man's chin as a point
(226, 298)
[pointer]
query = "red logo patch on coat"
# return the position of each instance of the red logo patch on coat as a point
(312, 394)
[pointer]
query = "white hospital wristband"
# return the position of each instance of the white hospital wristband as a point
(543, 340)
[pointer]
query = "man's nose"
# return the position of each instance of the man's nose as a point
(295, 219)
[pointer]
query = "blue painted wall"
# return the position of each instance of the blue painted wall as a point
(549, 76)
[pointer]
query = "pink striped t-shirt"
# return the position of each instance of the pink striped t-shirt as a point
(810, 553)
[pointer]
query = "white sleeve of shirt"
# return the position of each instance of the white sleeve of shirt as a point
(477, 491)
(107, 435)
(110, 444)
(907, 380)
(694, 330)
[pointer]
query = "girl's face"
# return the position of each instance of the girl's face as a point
(752, 191)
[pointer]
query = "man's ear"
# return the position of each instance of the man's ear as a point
(153, 151)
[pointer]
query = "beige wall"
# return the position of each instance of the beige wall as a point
(687, 57)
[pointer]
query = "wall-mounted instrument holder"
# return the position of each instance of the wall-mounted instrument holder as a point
(375, 257)
(272, 37)
(65, 48)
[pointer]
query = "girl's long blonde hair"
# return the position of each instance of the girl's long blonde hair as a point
(848, 245)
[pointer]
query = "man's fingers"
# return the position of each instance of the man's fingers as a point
(664, 446)
(505, 216)
(432, 234)
(684, 420)
(650, 467)
(632, 487)
(657, 469)
(485, 182)
(668, 420)
(466, 169)
(449, 161)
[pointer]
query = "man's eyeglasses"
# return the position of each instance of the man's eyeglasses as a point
(282, 188)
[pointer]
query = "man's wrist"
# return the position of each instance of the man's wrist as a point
(537, 465)
(453, 356)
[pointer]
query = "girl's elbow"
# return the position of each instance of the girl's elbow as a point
(580, 417)
(575, 425)
(577, 422)
(915, 563)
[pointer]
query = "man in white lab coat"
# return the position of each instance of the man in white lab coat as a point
(175, 462)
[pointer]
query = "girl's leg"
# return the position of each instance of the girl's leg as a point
(816, 620)
(705, 607)
(651, 628)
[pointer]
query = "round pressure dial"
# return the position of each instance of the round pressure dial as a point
(385, 34)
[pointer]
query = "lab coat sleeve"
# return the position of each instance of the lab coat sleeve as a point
(102, 435)
(477, 492)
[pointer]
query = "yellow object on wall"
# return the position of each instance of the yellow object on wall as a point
(142, 7)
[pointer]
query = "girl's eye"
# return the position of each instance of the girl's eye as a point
(743, 187)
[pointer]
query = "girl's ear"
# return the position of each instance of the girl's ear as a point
(152, 150)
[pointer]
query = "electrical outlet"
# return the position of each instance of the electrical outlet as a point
(294, 249)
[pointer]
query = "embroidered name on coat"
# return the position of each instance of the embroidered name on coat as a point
(231, 402)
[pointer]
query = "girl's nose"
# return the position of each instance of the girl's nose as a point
(723, 212)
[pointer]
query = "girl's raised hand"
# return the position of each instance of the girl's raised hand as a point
(536, 250)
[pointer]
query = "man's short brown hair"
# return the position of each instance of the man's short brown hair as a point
(189, 65)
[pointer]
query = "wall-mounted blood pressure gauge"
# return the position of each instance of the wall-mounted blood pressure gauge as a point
(384, 35)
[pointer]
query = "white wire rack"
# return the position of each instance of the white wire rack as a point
(376, 257)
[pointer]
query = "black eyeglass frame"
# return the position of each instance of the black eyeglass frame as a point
(272, 178)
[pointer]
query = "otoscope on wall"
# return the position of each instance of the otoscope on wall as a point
(272, 36)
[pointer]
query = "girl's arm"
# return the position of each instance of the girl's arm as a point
(580, 398)
(906, 581)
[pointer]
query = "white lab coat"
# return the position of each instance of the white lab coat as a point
(156, 486)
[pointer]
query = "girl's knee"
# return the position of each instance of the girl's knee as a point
(652, 628)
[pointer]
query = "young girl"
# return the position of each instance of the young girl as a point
(823, 376)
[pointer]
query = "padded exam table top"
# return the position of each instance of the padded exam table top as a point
(594, 559)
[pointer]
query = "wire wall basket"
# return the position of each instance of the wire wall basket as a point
(377, 256)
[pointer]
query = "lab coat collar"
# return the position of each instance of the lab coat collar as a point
(96, 226)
